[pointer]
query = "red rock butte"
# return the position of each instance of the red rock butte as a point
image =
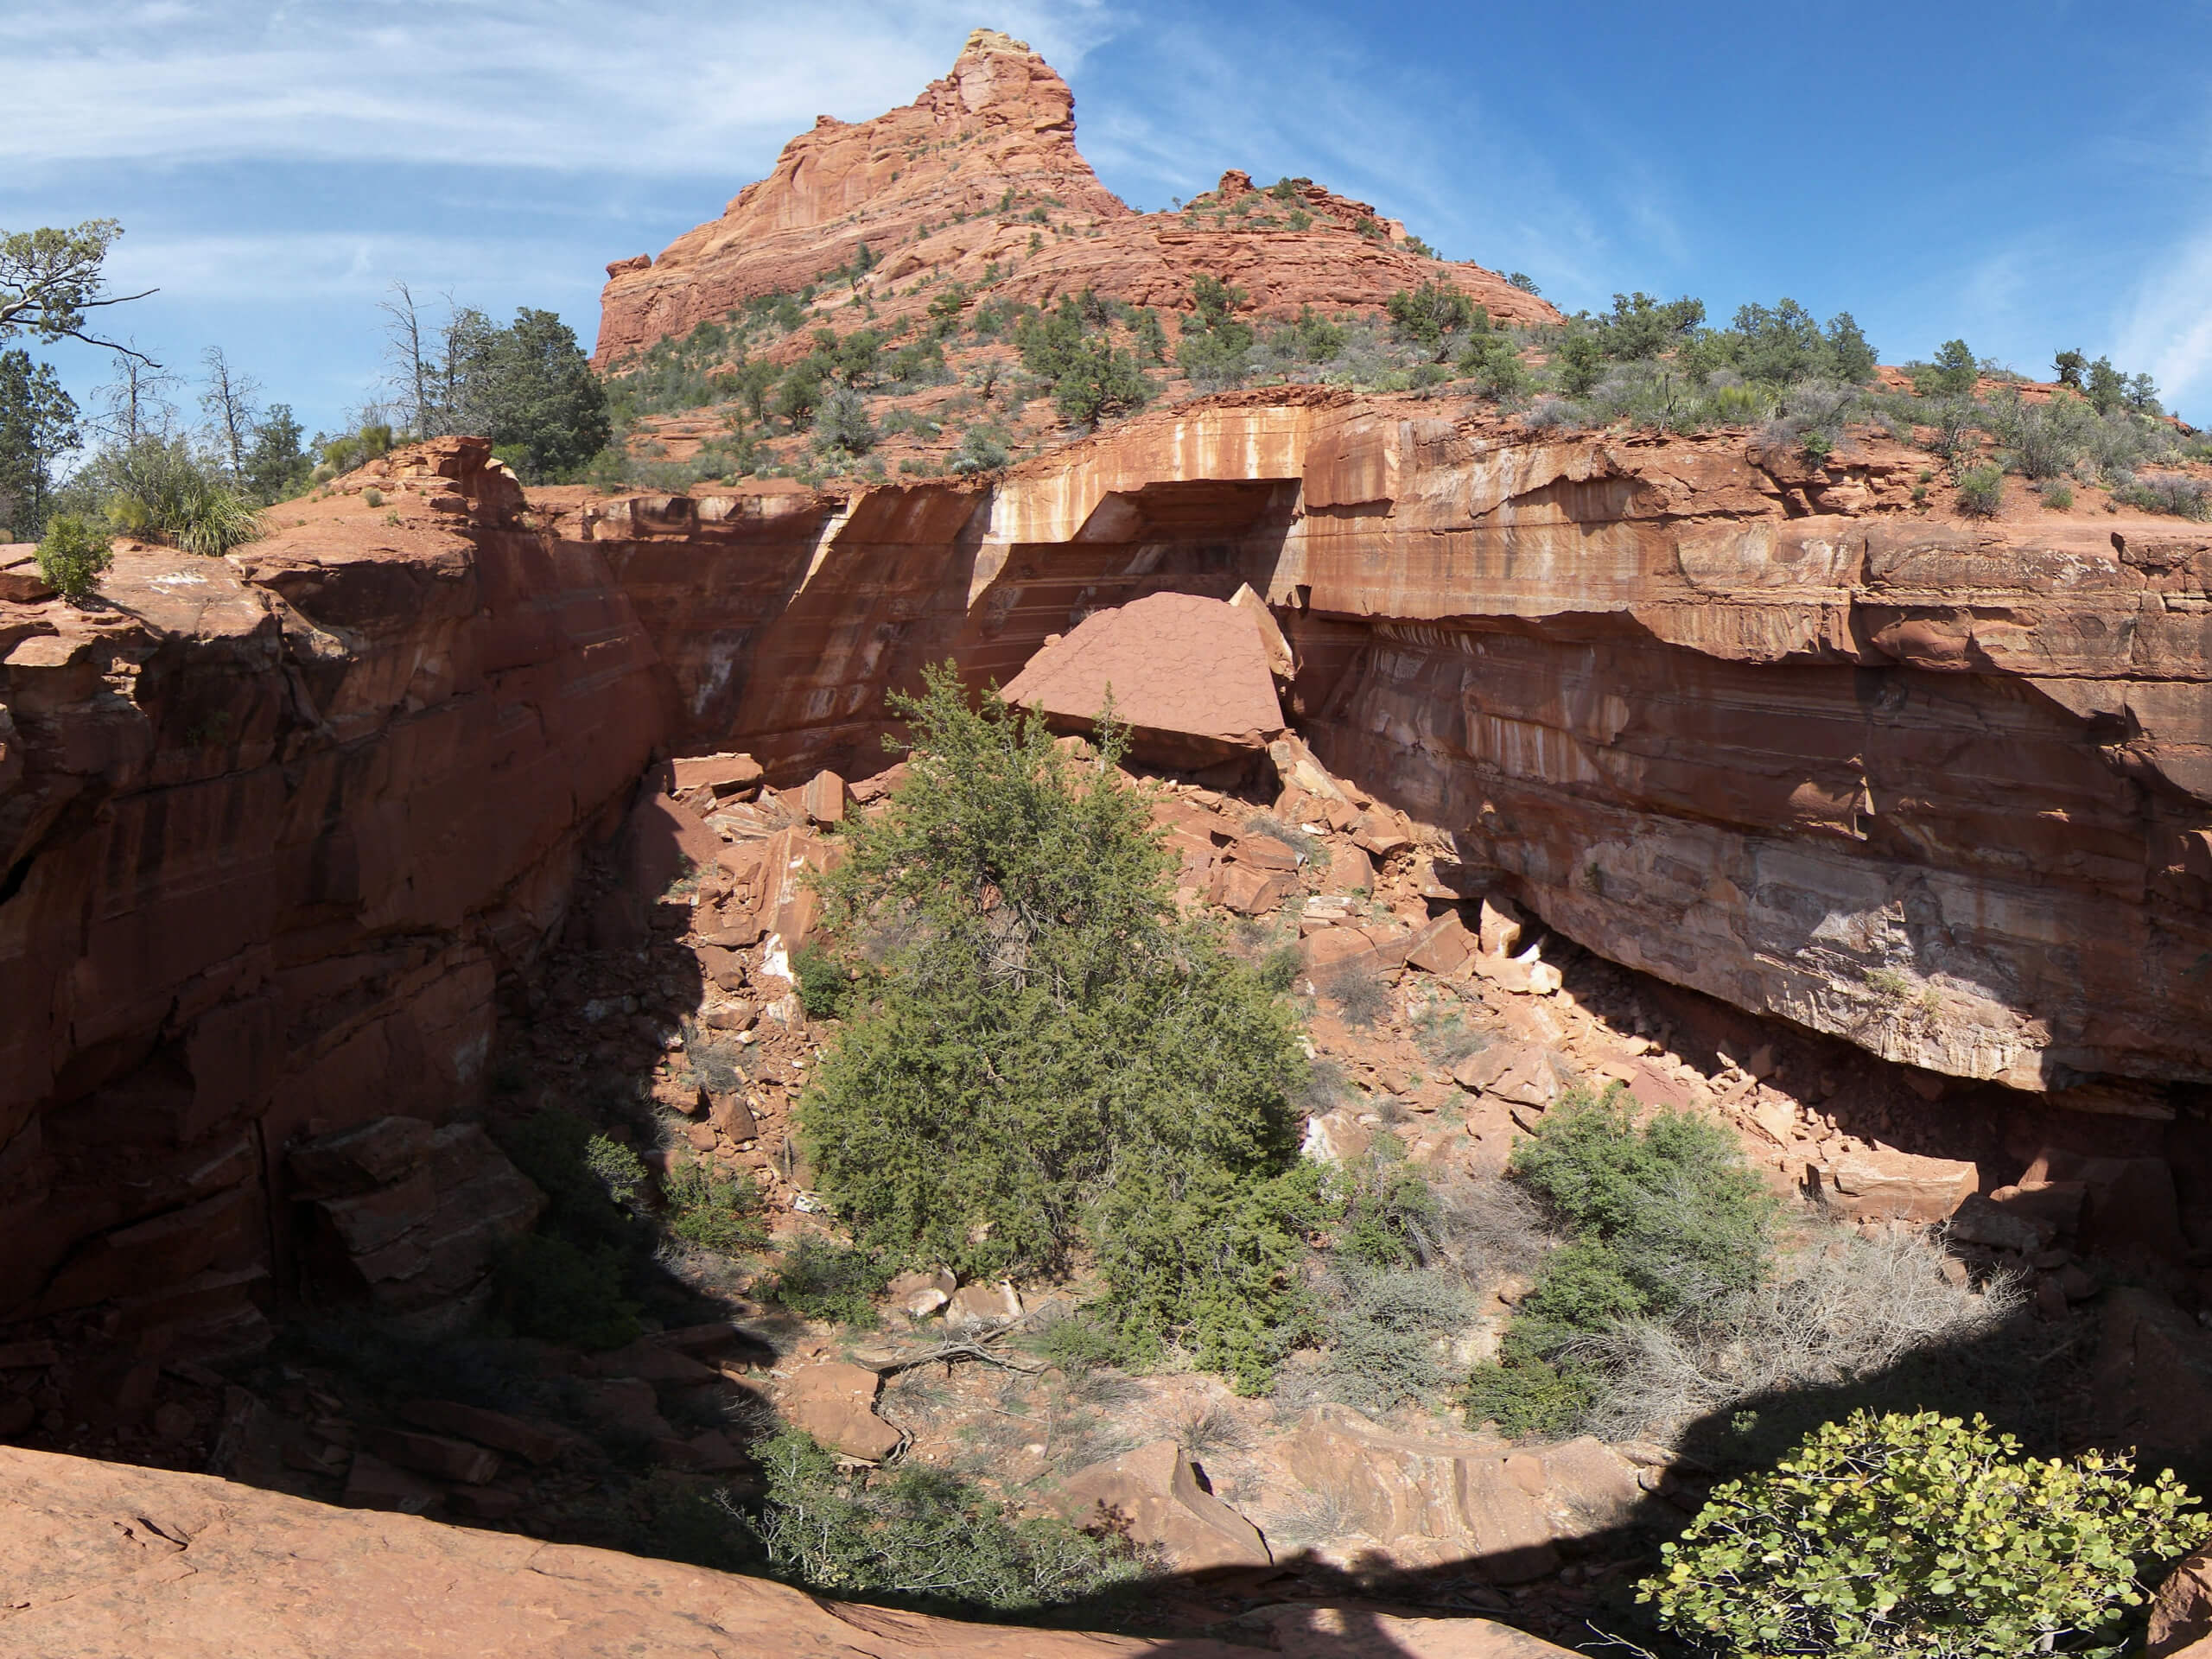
(945, 188)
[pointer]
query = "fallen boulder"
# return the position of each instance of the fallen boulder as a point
(1880, 1183)
(1189, 675)
(1153, 1495)
(836, 1403)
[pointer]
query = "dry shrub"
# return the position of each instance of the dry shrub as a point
(1834, 1313)
(1490, 1228)
(1204, 1428)
(1310, 1518)
(1362, 996)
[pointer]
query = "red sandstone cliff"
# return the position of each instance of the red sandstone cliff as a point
(275, 825)
(949, 185)
(1723, 713)
(272, 826)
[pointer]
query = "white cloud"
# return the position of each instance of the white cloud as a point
(2167, 328)
(674, 87)
(287, 266)
(1307, 97)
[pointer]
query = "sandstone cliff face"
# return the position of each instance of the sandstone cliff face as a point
(1740, 720)
(946, 187)
(272, 826)
(275, 825)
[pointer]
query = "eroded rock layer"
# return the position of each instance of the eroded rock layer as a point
(1744, 720)
(272, 827)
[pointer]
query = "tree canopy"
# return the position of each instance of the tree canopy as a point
(1047, 1056)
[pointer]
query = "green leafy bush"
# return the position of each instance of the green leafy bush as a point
(920, 1536)
(842, 424)
(1981, 490)
(1660, 1218)
(1090, 379)
(1390, 1216)
(1211, 1258)
(1432, 317)
(1661, 1214)
(836, 1283)
(715, 1212)
(73, 555)
(571, 1166)
(1527, 1396)
(1643, 327)
(1384, 1333)
(1050, 1056)
(2057, 495)
(823, 983)
(1924, 1535)
(979, 452)
(1215, 346)
(618, 1169)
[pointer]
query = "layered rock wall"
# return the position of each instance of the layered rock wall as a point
(1748, 723)
(272, 827)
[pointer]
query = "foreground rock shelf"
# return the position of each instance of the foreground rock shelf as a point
(102, 1559)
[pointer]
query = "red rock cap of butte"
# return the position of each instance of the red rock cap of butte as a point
(948, 187)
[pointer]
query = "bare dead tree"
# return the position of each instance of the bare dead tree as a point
(137, 400)
(412, 374)
(228, 400)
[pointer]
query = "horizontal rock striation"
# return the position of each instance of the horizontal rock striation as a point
(1719, 712)
(947, 187)
(273, 826)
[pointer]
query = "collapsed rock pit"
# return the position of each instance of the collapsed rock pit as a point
(1851, 791)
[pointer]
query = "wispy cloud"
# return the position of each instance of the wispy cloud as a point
(672, 87)
(341, 265)
(1304, 97)
(2167, 327)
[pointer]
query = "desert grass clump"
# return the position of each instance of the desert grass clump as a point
(1835, 1311)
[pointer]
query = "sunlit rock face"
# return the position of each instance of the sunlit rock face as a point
(979, 181)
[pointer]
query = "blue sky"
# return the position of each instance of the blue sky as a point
(2028, 177)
